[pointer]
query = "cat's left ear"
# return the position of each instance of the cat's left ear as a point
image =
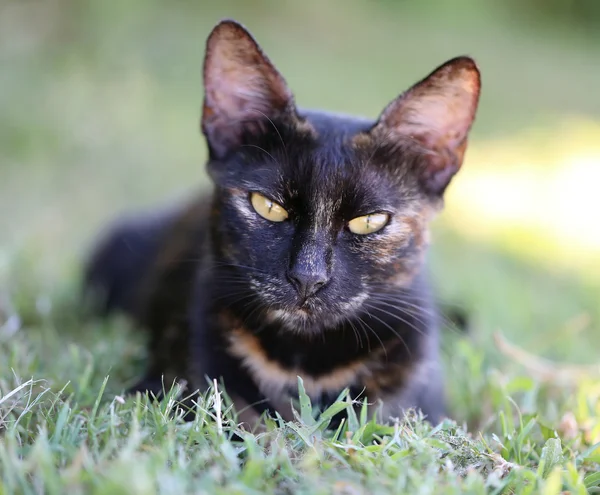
(438, 113)
(242, 88)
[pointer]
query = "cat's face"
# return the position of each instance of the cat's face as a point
(316, 213)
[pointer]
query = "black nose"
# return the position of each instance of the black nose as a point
(307, 282)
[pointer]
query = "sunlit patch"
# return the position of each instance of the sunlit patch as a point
(536, 196)
(368, 224)
(267, 208)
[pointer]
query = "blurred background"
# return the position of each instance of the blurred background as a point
(99, 112)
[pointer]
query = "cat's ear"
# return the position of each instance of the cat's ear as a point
(438, 113)
(242, 88)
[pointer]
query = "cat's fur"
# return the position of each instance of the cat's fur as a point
(214, 282)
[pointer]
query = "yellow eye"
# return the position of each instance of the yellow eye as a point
(268, 209)
(368, 224)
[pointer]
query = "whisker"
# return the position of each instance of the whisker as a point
(417, 315)
(400, 302)
(235, 301)
(366, 327)
(393, 331)
(419, 310)
(256, 307)
(410, 294)
(399, 318)
(237, 265)
(431, 307)
(356, 334)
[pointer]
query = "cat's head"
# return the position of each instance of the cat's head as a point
(314, 213)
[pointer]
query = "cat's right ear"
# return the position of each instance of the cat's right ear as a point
(437, 113)
(242, 88)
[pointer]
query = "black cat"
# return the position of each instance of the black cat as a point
(308, 257)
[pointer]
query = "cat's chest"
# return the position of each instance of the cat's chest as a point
(276, 374)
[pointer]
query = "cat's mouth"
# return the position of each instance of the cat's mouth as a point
(301, 313)
(310, 315)
(297, 319)
(306, 316)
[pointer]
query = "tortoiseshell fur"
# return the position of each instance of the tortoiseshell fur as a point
(210, 279)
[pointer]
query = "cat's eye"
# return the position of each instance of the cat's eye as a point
(267, 208)
(368, 224)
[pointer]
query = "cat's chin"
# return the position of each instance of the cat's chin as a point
(301, 320)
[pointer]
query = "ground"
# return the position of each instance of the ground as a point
(99, 108)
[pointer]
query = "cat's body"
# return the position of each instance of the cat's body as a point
(307, 259)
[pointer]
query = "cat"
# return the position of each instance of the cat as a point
(308, 258)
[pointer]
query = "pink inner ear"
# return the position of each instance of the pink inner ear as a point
(440, 110)
(236, 98)
(242, 87)
(438, 113)
(240, 81)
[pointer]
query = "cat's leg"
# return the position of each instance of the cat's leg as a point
(137, 269)
(114, 274)
(431, 398)
(166, 295)
(167, 360)
(426, 394)
(423, 389)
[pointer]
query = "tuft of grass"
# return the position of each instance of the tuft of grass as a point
(52, 443)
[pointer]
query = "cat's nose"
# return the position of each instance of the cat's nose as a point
(307, 283)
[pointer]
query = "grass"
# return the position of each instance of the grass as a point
(98, 113)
